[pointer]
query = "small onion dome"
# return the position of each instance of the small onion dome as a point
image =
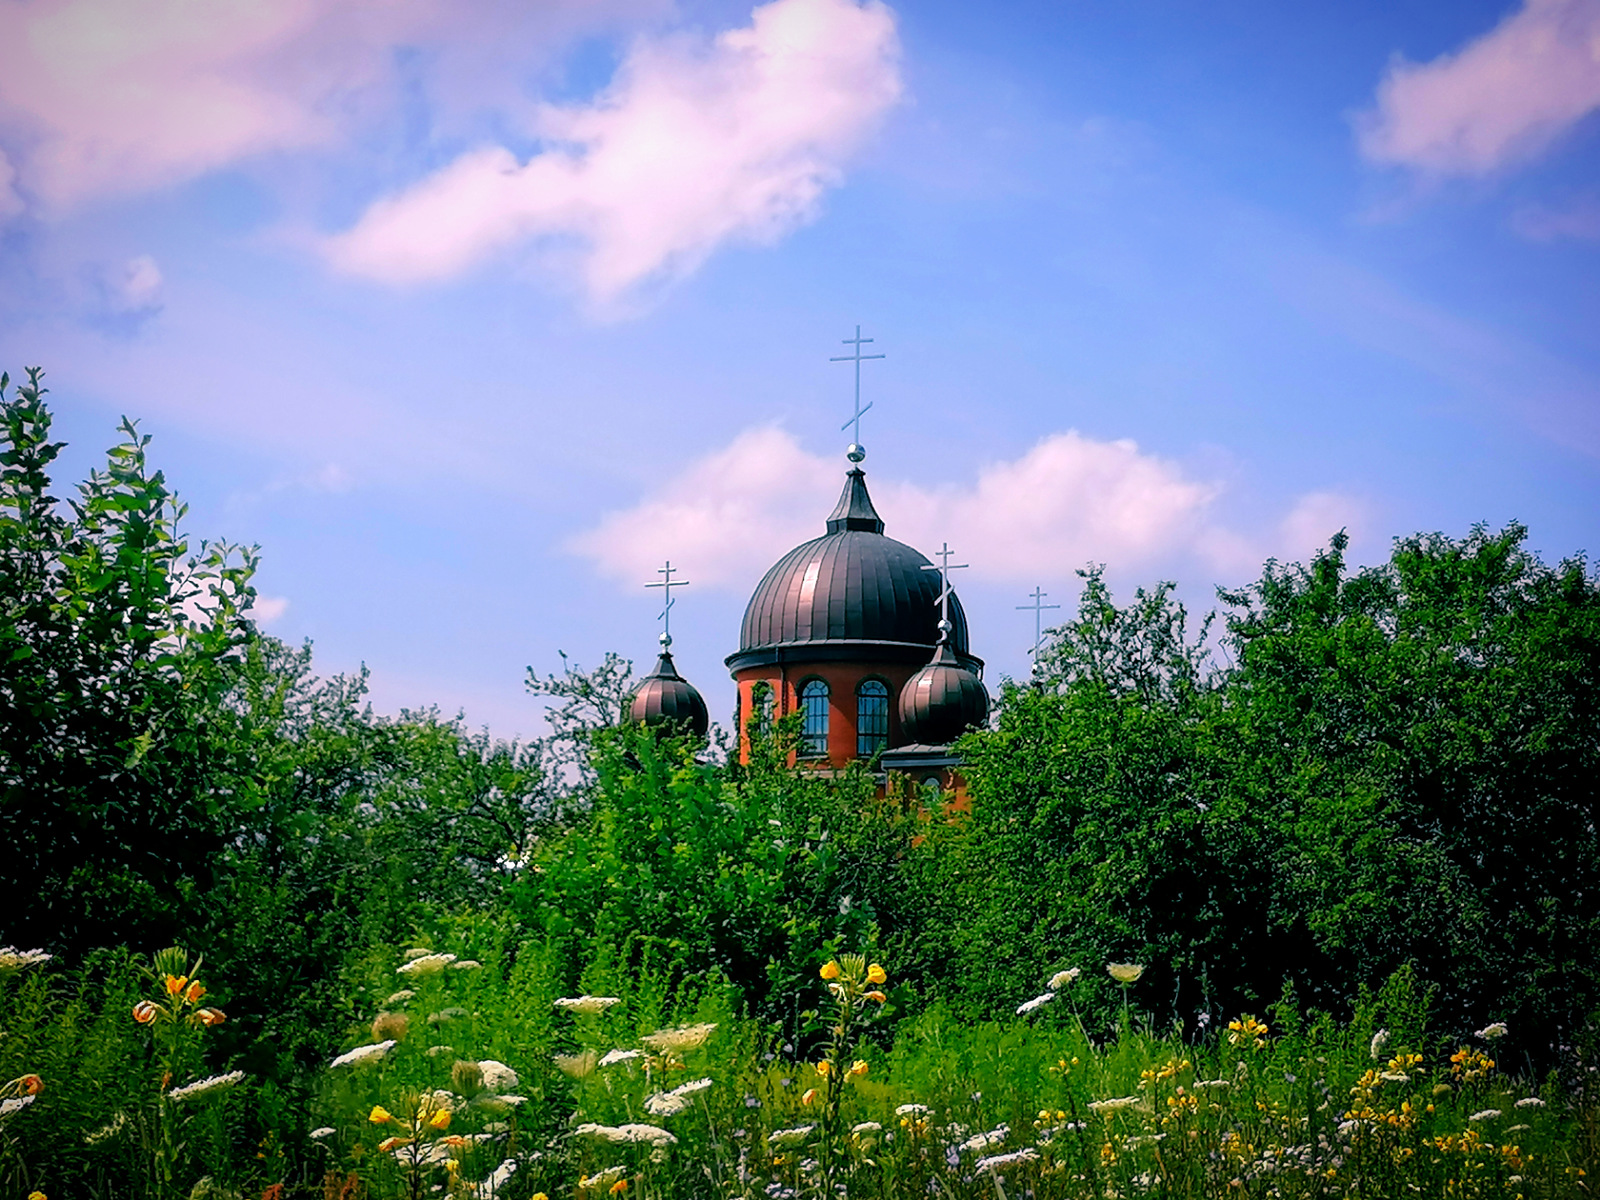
(664, 697)
(942, 701)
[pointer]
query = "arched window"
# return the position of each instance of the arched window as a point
(872, 717)
(814, 719)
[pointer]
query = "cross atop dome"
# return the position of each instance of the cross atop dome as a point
(857, 451)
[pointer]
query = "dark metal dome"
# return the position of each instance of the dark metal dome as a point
(850, 594)
(664, 697)
(942, 701)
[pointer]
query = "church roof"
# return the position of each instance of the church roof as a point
(664, 697)
(851, 594)
(942, 701)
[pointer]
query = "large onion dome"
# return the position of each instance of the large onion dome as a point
(665, 698)
(852, 594)
(942, 701)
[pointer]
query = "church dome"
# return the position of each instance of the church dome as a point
(851, 594)
(942, 701)
(664, 697)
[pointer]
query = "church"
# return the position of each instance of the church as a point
(861, 635)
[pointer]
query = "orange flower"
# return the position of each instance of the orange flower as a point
(211, 1016)
(878, 996)
(196, 990)
(393, 1143)
(809, 1095)
(176, 983)
(144, 1012)
(876, 974)
(830, 970)
(31, 1084)
(619, 1187)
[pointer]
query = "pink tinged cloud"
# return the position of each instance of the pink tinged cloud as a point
(693, 145)
(1067, 501)
(1499, 100)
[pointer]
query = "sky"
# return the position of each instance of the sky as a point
(472, 314)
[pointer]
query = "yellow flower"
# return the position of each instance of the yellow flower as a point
(440, 1119)
(876, 974)
(809, 1096)
(830, 970)
(175, 984)
(824, 1067)
(196, 990)
(1125, 972)
(541, 1196)
(878, 996)
(619, 1187)
(37, 1196)
(381, 1116)
(144, 1012)
(859, 1067)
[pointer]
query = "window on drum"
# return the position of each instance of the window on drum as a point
(872, 717)
(814, 719)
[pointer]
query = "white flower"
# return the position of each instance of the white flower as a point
(497, 1104)
(1487, 1114)
(427, 964)
(448, 1014)
(1380, 1040)
(110, 1130)
(13, 960)
(15, 1104)
(1530, 1102)
(684, 1037)
(1212, 1083)
(663, 1105)
(1105, 1106)
(1493, 1033)
(497, 1077)
(1395, 1076)
(416, 952)
(364, 1054)
(995, 1161)
(652, 1135)
(866, 1127)
(465, 964)
(790, 1137)
(326, 1131)
(202, 1087)
(1125, 972)
(587, 1005)
(436, 1051)
(399, 998)
(612, 1057)
(1061, 978)
(497, 1179)
(601, 1178)
(912, 1110)
(1028, 1006)
(982, 1141)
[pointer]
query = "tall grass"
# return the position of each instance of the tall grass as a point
(475, 1076)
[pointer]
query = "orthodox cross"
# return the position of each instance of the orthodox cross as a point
(666, 585)
(944, 568)
(1037, 609)
(857, 451)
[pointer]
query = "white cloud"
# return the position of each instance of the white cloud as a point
(691, 146)
(121, 96)
(1500, 99)
(136, 288)
(1068, 501)
(267, 609)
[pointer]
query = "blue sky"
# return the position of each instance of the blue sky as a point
(471, 314)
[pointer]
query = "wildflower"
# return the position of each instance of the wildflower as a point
(612, 1057)
(912, 1110)
(824, 1067)
(1493, 1033)
(576, 1065)
(541, 1196)
(1379, 1041)
(381, 1116)
(995, 1161)
(602, 1178)
(196, 990)
(323, 1131)
(390, 1025)
(1038, 1002)
(684, 1037)
(176, 984)
(790, 1137)
(1530, 1102)
(866, 1127)
(1125, 972)
(497, 1077)
(876, 974)
(446, 1014)
(1062, 978)
(30, 1085)
(663, 1104)
(982, 1141)
(1105, 1106)
(393, 1143)
(204, 1087)
(363, 1054)
(874, 995)
(587, 1005)
(13, 960)
(1247, 1029)
(465, 964)
(144, 1012)
(37, 1196)
(425, 964)
(415, 953)
(14, 1105)
(499, 1103)
(108, 1131)
(210, 1017)
(859, 1067)
(399, 997)
(440, 1120)
(619, 1187)
(1212, 1083)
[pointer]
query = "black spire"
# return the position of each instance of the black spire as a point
(854, 510)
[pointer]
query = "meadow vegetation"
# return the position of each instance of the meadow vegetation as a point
(1297, 904)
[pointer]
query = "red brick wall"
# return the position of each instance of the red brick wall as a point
(842, 679)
